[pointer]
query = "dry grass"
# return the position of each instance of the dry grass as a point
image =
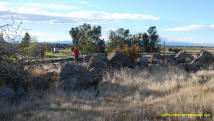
(125, 95)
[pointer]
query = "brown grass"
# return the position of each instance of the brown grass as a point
(124, 95)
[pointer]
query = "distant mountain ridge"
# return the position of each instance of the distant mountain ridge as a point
(58, 42)
(167, 43)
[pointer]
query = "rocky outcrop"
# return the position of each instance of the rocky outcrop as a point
(76, 77)
(120, 59)
(157, 58)
(191, 67)
(142, 61)
(6, 94)
(205, 58)
(40, 83)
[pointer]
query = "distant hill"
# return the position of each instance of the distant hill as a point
(58, 42)
(167, 43)
(187, 44)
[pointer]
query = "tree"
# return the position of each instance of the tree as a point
(153, 38)
(145, 39)
(25, 43)
(87, 38)
(120, 37)
(74, 34)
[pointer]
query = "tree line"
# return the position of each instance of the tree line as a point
(88, 39)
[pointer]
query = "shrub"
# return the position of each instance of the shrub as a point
(174, 50)
(133, 52)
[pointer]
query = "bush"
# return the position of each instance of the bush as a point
(174, 50)
(36, 50)
(133, 52)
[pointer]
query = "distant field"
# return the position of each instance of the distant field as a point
(193, 49)
(62, 54)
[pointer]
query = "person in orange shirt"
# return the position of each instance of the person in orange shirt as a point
(76, 52)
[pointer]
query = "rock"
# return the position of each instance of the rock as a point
(40, 84)
(154, 68)
(88, 57)
(76, 77)
(3, 82)
(51, 77)
(181, 57)
(6, 94)
(191, 67)
(120, 59)
(157, 58)
(20, 93)
(142, 61)
(98, 60)
(205, 58)
(169, 59)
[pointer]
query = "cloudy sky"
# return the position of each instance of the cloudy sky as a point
(189, 21)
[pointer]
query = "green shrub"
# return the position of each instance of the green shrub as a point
(174, 50)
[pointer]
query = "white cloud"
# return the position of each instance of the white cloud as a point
(84, 2)
(190, 40)
(112, 28)
(33, 13)
(53, 6)
(105, 38)
(193, 28)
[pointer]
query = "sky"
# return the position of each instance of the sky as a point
(182, 21)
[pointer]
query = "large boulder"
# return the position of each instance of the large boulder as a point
(157, 58)
(6, 94)
(88, 57)
(169, 59)
(152, 68)
(76, 77)
(40, 83)
(204, 58)
(120, 59)
(98, 60)
(97, 65)
(142, 61)
(191, 67)
(181, 57)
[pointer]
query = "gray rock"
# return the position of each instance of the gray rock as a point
(169, 59)
(6, 94)
(40, 84)
(154, 68)
(205, 58)
(142, 61)
(120, 59)
(157, 58)
(88, 57)
(76, 77)
(181, 57)
(191, 67)
(98, 60)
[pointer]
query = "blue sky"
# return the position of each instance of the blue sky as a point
(189, 21)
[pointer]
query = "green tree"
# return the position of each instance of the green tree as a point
(74, 34)
(26, 41)
(87, 38)
(154, 39)
(120, 37)
(145, 39)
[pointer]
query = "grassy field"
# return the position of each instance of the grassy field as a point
(124, 95)
(193, 49)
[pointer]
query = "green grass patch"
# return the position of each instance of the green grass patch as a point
(56, 55)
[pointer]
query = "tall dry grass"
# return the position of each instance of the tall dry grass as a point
(123, 95)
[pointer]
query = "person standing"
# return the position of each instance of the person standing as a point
(76, 52)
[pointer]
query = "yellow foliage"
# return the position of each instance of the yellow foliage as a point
(133, 52)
